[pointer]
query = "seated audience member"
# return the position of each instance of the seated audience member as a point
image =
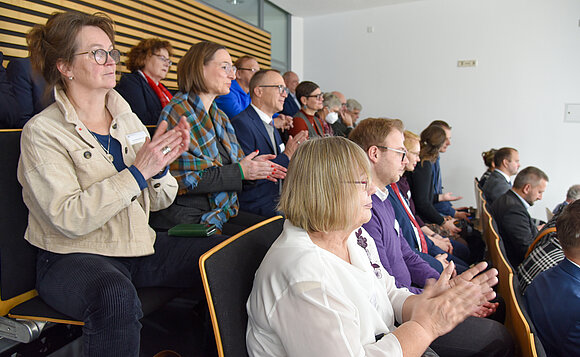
(88, 211)
(238, 99)
(419, 241)
(345, 122)
(382, 139)
(211, 171)
(311, 97)
(553, 298)
(443, 204)
(29, 88)
(488, 161)
(8, 103)
(507, 164)
(291, 103)
(329, 112)
(572, 195)
(255, 132)
(318, 293)
(422, 188)
(149, 63)
(510, 212)
(353, 107)
(546, 253)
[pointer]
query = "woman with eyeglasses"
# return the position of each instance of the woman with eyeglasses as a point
(90, 175)
(310, 97)
(213, 169)
(149, 62)
(321, 289)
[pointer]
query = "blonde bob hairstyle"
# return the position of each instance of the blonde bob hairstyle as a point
(320, 194)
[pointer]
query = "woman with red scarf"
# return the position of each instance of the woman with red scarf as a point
(149, 63)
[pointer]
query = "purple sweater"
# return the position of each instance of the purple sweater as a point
(396, 256)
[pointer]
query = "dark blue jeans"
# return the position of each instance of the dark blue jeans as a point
(101, 291)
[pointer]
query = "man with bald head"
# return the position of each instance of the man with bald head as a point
(291, 104)
(345, 123)
(255, 131)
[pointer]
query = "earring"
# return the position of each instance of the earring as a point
(70, 78)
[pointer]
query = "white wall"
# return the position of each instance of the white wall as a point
(528, 54)
(297, 43)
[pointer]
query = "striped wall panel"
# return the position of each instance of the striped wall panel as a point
(183, 23)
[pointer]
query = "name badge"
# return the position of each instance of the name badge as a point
(137, 137)
(282, 147)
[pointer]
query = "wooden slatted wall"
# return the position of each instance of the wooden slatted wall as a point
(183, 23)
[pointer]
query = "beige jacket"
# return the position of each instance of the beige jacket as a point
(77, 200)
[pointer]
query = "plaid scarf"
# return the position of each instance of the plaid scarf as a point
(203, 152)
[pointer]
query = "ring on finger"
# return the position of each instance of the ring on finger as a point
(166, 149)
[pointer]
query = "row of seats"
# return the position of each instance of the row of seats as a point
(227, 270)
(517, 320)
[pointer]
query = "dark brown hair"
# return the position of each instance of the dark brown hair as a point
(190, 76)
(432, 138)
(488, 157)
(304, 89)
(502, 154)
(57, 41)
(568, 226)
(138, 54)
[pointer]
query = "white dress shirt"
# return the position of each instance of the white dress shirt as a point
(306, 301)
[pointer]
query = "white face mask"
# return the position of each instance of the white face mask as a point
(331, 117)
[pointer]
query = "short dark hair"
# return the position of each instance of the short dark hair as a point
(258, 79)
(190, 76)
(502, 154)
(138, 54)
(304, 89)
(441, 123)
(530, 175)
(568, 226)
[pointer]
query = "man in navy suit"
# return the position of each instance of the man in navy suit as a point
(510, 212)
(553, 298)
(507, 164)
(291, 103)
(255, 131)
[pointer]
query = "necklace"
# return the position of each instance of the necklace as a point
(109, 156)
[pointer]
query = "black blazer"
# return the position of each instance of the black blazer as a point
(494, 187)
(423, 193)
(290, 106)
(515, 226)
(140, 96)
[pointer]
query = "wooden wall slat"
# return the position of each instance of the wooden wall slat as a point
(183, 23)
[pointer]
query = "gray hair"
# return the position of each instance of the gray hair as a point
(331, 100)
(353, 104)
(573, 193)
(530, 175)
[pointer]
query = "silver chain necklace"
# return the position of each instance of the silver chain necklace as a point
(109, 156)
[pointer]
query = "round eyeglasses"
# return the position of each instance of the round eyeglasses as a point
(281, 88)
(101, 56)
(164, 59)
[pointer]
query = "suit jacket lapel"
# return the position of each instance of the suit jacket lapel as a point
(259, 125)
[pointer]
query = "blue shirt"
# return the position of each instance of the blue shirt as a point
(235, 101)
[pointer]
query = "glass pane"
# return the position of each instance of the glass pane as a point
(276, 22)
(246, 10)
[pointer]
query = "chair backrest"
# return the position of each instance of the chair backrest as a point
(540, 235)
(478, 202)
(17, 256)
(228, 272)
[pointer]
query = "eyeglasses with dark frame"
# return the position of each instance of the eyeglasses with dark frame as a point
(164, 59)
(404, 152)
(101, 56)
(317, 96)
(248, 69)
(281, 88)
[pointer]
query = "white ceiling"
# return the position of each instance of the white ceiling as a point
(306, 8)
